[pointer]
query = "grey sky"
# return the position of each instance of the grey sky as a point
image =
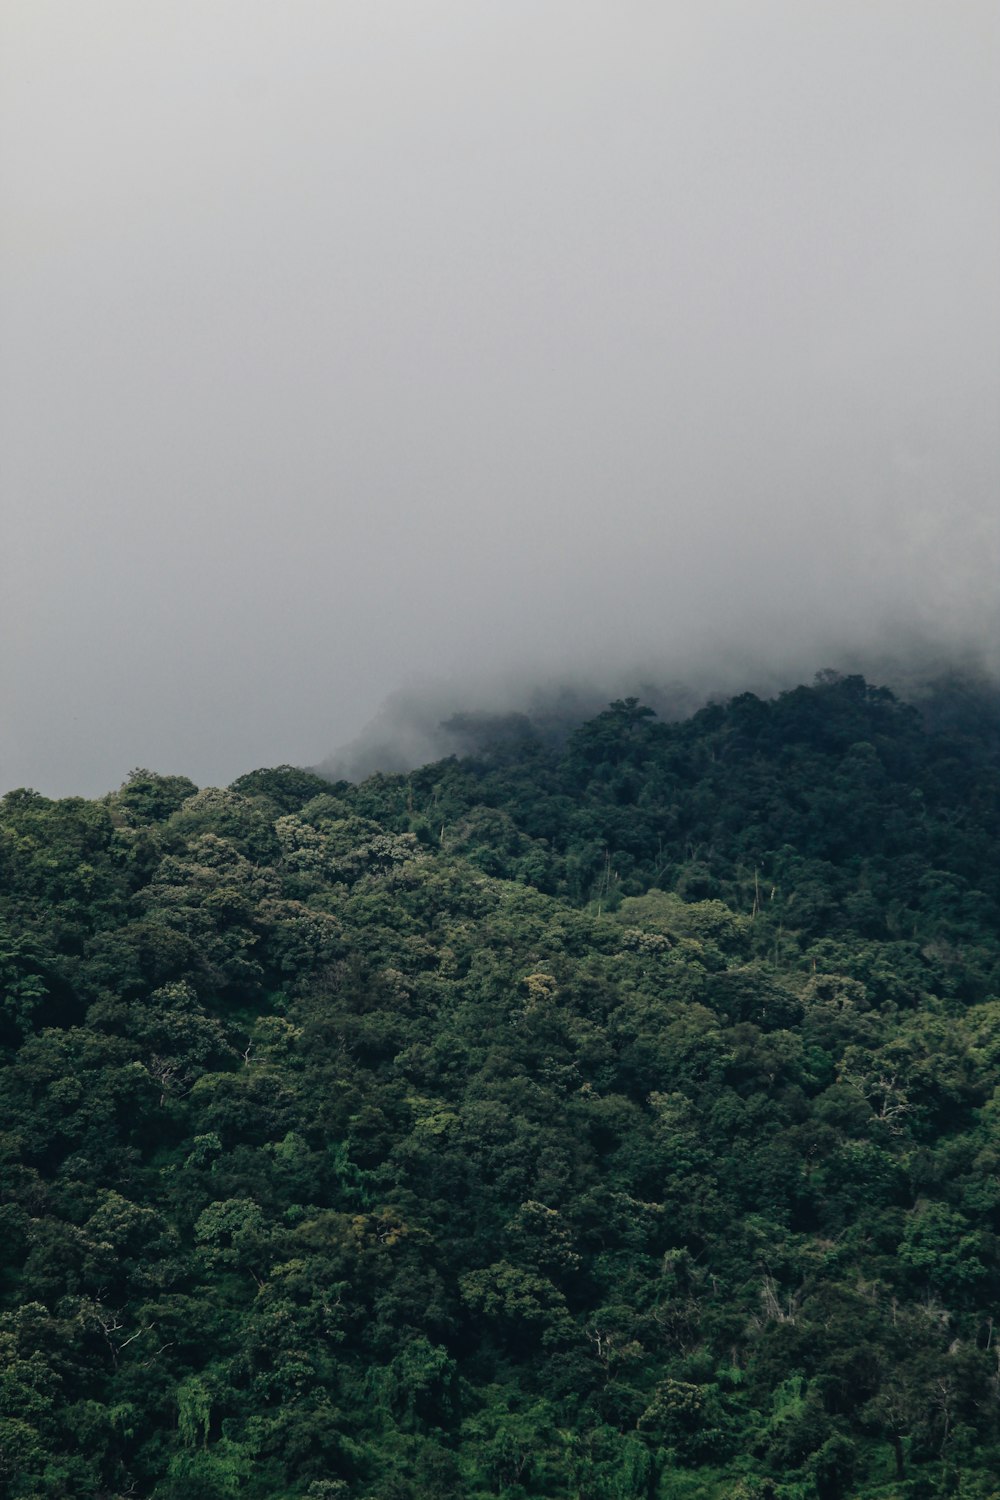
(350, 344)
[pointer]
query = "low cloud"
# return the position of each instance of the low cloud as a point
(354, 349)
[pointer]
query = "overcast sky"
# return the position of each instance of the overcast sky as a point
(348, 344)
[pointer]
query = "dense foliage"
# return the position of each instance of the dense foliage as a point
(608, 1119)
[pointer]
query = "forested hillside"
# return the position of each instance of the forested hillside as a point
(605, 1119)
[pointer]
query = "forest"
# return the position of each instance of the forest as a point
(599, 1114)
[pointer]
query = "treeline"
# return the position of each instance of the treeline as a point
(605, 1119)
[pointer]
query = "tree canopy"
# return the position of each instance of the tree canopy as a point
(605, 1118)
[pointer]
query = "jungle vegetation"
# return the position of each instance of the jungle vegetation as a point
(608, 1116)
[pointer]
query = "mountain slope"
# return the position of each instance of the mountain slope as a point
(607, 1119)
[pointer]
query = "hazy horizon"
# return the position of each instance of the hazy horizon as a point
(353, 347)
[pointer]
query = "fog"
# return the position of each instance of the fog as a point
(352, 347)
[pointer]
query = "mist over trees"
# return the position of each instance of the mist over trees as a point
(581, 1083)
(347, 346)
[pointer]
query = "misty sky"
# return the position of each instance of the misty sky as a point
(347, 344)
